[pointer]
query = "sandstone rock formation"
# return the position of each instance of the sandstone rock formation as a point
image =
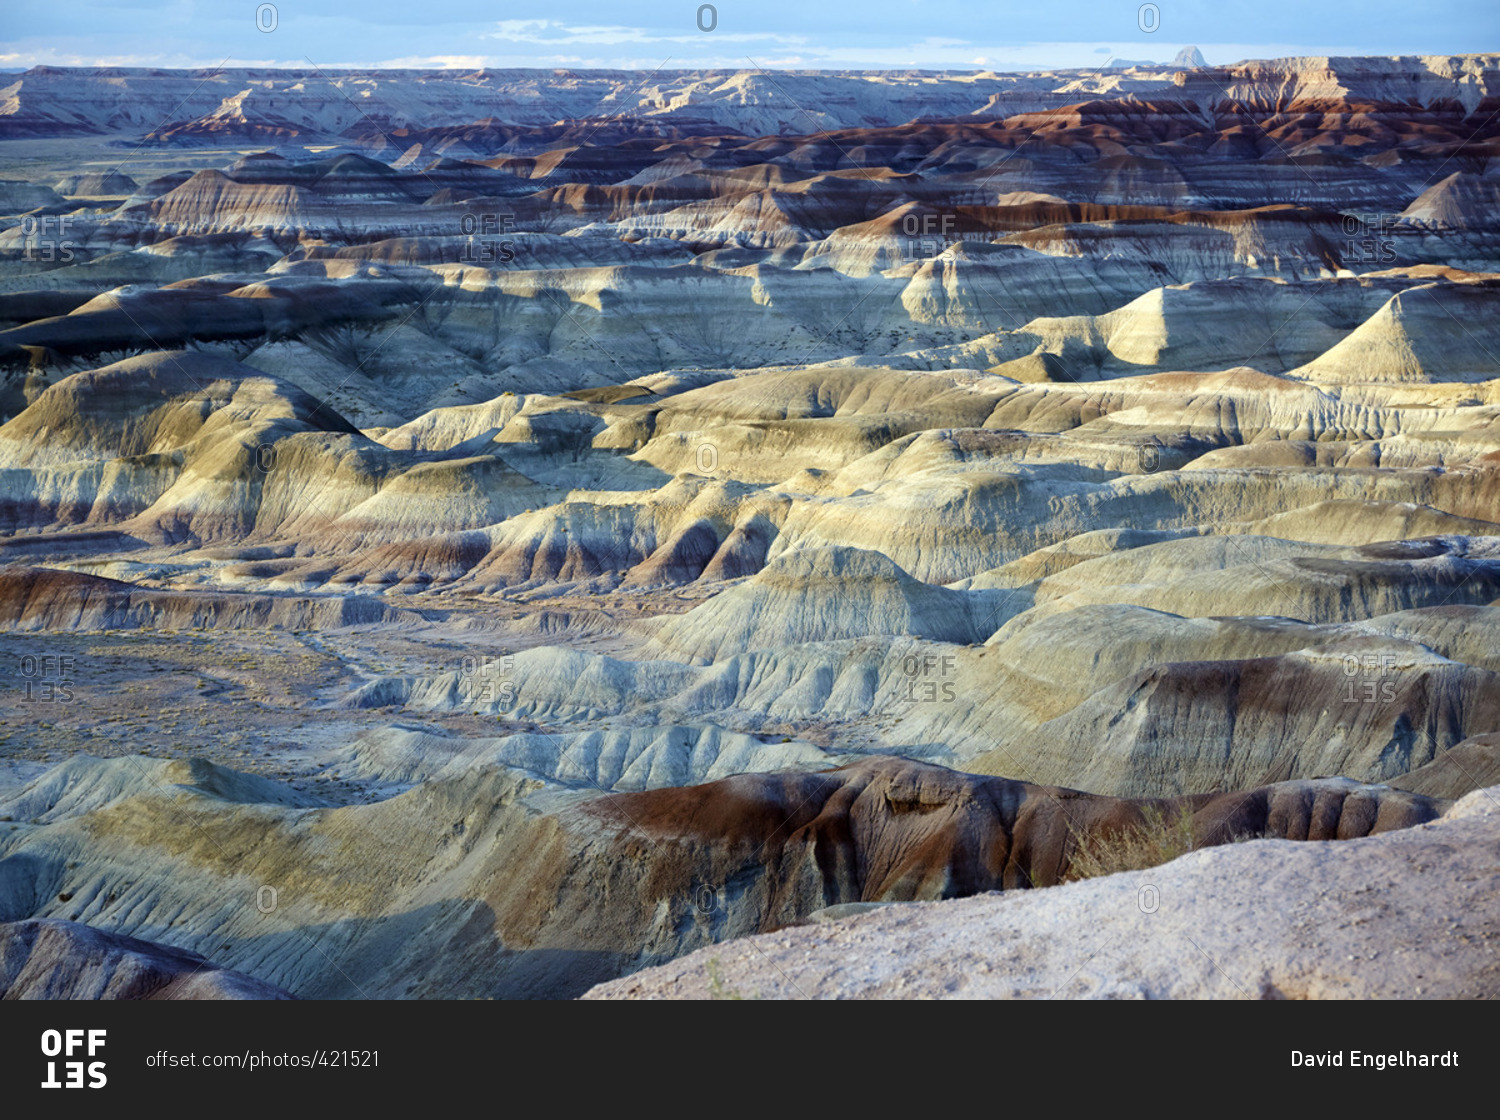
(1407, 915)
(562, 521)
(481, 880)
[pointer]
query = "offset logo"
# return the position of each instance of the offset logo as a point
(76, 1073)
(47, 679)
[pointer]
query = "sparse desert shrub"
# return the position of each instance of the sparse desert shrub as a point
(1161, 836)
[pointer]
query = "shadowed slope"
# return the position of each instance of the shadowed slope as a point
(51, 959)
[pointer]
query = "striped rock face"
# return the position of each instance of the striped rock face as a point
(591, 521)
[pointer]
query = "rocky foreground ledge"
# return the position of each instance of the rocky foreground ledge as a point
(1406, 914)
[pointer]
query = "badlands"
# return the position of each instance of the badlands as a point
(783, 534)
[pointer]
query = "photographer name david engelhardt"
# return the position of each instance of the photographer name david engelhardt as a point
(1361, 1059)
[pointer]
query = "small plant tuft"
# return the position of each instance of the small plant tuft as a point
(717, 988)
(1159, 838)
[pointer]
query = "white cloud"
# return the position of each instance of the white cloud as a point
(553, 33)
(515, 28)
(436, 62)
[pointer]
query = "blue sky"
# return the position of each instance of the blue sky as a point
(933, 34)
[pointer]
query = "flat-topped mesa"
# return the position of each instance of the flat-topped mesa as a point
(51, 600)
(1414, 80)
(281, 105)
